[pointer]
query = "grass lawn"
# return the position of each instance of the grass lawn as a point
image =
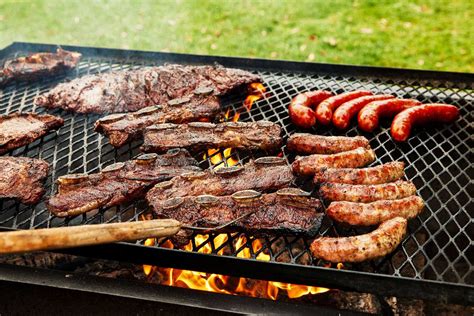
(411, 34)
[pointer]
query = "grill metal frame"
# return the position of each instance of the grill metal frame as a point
(442, 174)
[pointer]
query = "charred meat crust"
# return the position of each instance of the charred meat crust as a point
(117, 183)
(263, 135)
(132, 90)
(303, 143)
(38, 65)
(21, 178)
(20, 129)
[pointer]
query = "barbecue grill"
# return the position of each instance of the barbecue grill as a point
(435, 261)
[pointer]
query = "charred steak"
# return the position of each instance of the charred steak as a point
(39, 65)
(132, 90)
(20, 129)
(21, 178)
(123, 128)
(117, 183)
(262, 135)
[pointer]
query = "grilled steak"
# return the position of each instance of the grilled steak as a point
(117, 183)
(122, 128)
(21, 178)
(132, 90)
(288, 211)
(263, 135)
(264, 174)
(20, 129)
(38, 65)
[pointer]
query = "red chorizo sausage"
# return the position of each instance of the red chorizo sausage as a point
(301, 107)
(370, 114)
(343, 115)
(325, 109)
(423, 114)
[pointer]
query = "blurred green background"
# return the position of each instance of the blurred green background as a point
(411, 34)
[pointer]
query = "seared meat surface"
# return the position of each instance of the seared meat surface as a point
(303, 143)
(132, 90)
(20, 129)
(38, 65)
(262, 135)
(117, 183)
(123, 128)
(21, 178)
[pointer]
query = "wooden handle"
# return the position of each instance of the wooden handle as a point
(74, 236)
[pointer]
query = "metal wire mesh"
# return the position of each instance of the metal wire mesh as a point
(439, 243)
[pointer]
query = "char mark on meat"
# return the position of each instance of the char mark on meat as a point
(38, 65)
(21, 178)
(117, 183)
(123, 128)
(132, 90)
(20, 129)
(263, 135)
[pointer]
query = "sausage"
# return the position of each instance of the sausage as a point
(378, 243)
(388, 172)
(343, 115)
(366, 193)
(301, 107)
(370, 114)
(303, 143)
(325, 109)
(423, 114)
(375, 213)
(355, 158)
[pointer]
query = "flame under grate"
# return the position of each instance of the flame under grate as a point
(439, 243)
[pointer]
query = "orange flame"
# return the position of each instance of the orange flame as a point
(257, 92)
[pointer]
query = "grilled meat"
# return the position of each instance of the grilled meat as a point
(366, 193)
(388, 172)
(132, 90)
(376, 244)
(366, 214)
(310, 165)
(262, 135)
(20, 129)
(21, 178)
(303, 143)
(38, 65)
(288, 211)
(122, 128)
(117, 183)
(264, 174)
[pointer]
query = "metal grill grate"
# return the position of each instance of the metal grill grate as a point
(439, 243)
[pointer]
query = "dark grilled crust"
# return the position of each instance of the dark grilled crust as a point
(388, 172)
(366, 193)
(110, 188)
(127, 91)
(310, 165)
(263, 135)
(24, 135)
(375, 213)
(123, 128)
(21, 178)
(39, 65)
(303, 143)
(376, 244)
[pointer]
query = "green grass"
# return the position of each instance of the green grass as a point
(411, 34)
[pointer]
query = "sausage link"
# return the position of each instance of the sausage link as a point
(301, 107)
(423, 114)
(343, 115)
(388, 172)
(367, 214)
(366, 193)
(303, 143)
(325, 109)
(309, 165)
(378, 243)
(370, 114)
